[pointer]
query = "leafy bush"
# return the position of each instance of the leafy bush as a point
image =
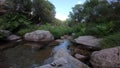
(14, 22)
(116, 26)
(57, 30)
(45, 27)
(101, 30)
(2, 36)
(79, 29)
(22, 31)
(111, 41)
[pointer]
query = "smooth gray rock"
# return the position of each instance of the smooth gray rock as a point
(39, 35)
(63, 59)
(106, 58)
(89, 41)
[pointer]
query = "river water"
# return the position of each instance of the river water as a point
(23, 56)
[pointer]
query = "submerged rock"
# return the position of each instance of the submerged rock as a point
(39, 35)
(106, 58)
(63, 59)
(33, 45)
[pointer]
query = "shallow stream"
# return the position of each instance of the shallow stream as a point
(23, 56)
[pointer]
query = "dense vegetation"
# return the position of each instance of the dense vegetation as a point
(100, 18)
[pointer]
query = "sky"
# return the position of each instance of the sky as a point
(63, 7)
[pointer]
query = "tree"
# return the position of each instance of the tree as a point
(38, 10)
(43, 10)
(19, 6)
(95, 11)
(76, 15)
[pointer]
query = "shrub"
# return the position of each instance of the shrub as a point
(111, 41)
(14, 22)
(22, 31)
(101, 30)
(2, 36)
(57, 30)
(80, 29)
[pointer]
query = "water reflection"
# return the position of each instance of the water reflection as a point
(23, 56)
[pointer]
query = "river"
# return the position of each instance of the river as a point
(22, 56)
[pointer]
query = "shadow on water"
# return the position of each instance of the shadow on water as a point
(25, 57)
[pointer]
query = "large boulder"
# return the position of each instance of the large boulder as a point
(88, 41)
(63, 59)
(39, 35)
(106, 58)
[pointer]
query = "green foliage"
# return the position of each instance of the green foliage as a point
(116, 26)
(111, 41)
(79, 29)
(96, 29)
(40, 11)
(19, 5)
(57, 30)
(2, 36)
(101, 29)
(96, 17)
(43, 10)
(23, 31)
(96, 11)
(14, 22)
